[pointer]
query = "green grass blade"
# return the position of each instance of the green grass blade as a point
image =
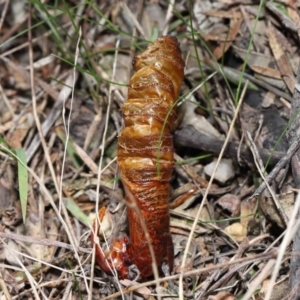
(70, 147)
(75, 210)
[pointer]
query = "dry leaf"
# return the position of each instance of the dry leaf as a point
(265, 71)
(222, 296)
(153, 16)
(228, 14)
(198, 121)
(191, 212)
(237, 231)
(230, 202)
(106, 223)
(250, 119)
(281, 59)
(161, 290)
(248, 209)
(143, 290)
(293, 12)
(20, 130)
(5, 195)
(269, 208)
(45, 227)
(11, 253)
(52, 233)
(233, 31)
(268, 100)
(280, 290)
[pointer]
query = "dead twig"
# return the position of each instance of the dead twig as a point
(280, 165)
(252, 259)
(261, 171)
(188, 136)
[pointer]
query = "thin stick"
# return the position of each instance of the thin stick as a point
(137, 25)
(4, 13)
(169, 15)
(40, 241)
(197, 272)
(67, 124)
(280, 165)
(259, 279)
(260, 167)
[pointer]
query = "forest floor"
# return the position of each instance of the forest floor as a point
(64, 73)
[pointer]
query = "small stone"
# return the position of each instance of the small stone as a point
(224, 172)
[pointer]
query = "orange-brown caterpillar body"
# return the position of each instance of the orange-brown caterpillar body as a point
(145, 158)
